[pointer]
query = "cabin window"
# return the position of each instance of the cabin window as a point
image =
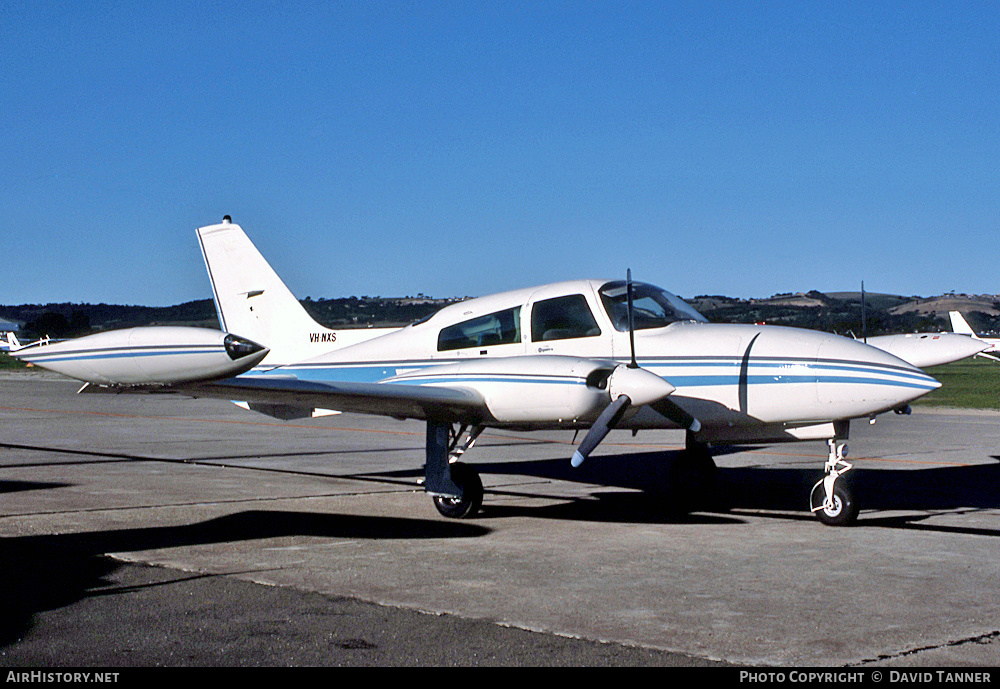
(563, 318)
(502, 327)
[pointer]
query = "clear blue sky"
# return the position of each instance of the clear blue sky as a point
(463, 148)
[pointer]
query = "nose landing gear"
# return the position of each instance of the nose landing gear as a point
(831, 500)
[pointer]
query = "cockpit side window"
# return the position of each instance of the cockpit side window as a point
(502, 327)
(652, 307)
(563, 318)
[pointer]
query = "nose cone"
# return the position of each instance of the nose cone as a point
(857, 379)
(797, 375)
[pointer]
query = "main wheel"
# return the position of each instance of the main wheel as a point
(468, 505)
(843, 511)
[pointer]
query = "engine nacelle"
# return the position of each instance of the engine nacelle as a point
(527, 389)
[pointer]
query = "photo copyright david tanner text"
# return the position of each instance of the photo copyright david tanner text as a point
(857, 676)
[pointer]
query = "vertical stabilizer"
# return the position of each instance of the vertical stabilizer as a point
(12, 344)
(959, 324)
(253, 302)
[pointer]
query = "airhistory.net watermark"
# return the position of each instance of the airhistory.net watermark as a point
(50, 677)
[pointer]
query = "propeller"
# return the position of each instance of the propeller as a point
(628, 385)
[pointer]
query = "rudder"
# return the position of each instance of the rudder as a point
(959, 324)
(250, 298)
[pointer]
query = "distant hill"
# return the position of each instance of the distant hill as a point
(838, 312)
(74, 320)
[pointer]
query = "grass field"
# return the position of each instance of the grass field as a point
(971, 383)
(8, 363)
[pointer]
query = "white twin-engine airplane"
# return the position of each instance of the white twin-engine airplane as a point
(991, 345)
(928, 349)
(587, 354)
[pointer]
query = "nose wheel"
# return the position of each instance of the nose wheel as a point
(831, 499)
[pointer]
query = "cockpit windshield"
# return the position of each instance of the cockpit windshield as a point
(652, 307)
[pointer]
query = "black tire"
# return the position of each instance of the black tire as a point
(845, 508)
(468, 505)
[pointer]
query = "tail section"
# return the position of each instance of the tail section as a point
(959, 324)
(12, 344)
(253, 302)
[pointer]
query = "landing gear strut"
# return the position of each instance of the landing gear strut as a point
(831, 500)
(455, 487)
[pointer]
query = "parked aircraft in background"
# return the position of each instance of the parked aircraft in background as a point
(928, 349)
(10, 342)
(163, 355)
(990, 344)
(591, 355)
(920, 349)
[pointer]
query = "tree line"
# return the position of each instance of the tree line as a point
(829, 314)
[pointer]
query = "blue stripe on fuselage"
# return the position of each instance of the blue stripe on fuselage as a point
(678, 372)
(90, 355)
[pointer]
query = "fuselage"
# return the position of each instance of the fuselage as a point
(783, 381)
(156, 355)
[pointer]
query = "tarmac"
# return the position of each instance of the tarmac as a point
(142, 531)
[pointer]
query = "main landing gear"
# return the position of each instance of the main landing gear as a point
(831, 500)
(689, 480)
(455, 487)
(464, 507)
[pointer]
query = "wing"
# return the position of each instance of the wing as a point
(531, 391)
(399, 401)
(517, 392)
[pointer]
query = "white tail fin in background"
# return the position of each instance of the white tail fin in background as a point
(959, 324)
(12, 344)
(253, 302)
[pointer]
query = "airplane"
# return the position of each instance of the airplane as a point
(961, 327)
(583, 355)
(927, 349)
(921, 349)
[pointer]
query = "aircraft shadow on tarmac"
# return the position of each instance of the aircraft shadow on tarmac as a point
(40, 573)
(18, 486)
(924, 492)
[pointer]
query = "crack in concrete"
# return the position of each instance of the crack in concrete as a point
(983, 639)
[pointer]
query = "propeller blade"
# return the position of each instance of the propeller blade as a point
(627, 386)
(631, 317)
(608, 419)
(670, 409)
